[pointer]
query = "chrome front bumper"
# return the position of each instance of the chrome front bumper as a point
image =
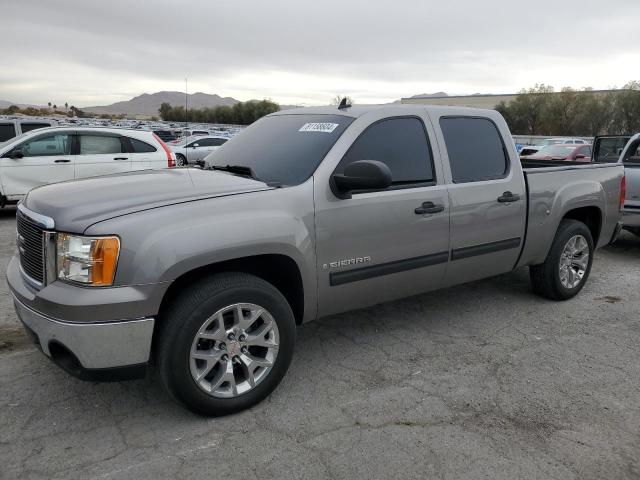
(96, 345)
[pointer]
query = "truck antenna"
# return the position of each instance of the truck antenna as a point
(344, 103)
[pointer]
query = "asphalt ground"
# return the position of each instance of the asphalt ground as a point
(483, 380)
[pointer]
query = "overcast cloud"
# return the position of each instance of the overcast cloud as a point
(305, 52)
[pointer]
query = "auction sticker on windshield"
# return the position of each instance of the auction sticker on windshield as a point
(318, 127)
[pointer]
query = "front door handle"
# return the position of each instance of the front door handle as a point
(508, 197)
(62, 160)
(429, 207)
(121, 158)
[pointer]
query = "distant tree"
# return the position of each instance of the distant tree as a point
(66, 106)
(49, 104)
(165, 111)
(626, 118)
(55, 107)
(13, 109)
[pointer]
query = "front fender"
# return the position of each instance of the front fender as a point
(161, 244)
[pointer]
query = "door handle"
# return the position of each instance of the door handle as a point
(62, 160)
(121, 158)
(508, 197)
(429, 207)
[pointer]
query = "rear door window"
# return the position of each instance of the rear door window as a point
(99, 145)
(138, 146)
(475, 147)
(7, 131)
(401, 143)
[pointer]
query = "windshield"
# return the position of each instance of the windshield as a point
(282, 149)
(555, 151)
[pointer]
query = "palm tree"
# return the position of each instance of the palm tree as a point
(49, 104)
(66, 106)
(55, 107)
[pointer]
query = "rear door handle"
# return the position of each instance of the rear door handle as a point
(429, 207)
(121, 158)
(62, 160)
(508, 197)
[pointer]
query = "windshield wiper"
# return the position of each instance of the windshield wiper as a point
(238, 170)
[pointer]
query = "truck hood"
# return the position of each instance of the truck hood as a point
(76, 205)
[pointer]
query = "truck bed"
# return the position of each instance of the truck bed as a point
(554, 190)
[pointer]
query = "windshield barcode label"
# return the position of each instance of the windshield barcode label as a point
(318, 127)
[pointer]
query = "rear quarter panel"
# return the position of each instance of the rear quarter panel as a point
(556, 191)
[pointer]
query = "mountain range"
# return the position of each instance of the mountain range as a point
(149, 103)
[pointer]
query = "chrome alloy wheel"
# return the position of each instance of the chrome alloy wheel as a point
(574, 261)
(234, 350)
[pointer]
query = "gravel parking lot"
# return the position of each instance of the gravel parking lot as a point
(479, 381)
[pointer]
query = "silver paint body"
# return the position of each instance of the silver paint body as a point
(171, 222)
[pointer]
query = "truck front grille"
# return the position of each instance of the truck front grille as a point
(30, 247)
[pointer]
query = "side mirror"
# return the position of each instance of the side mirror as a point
(361, 175)
(580, 156)
(195, 145)
(15, 154)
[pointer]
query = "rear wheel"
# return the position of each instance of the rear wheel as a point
(225, 344)
(568, 264)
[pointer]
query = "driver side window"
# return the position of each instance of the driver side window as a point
(400, 143)
(48, 145)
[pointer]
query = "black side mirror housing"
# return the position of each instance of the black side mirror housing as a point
(15, 154)
(361, 175)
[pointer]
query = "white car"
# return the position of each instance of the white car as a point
(56, 154)
(193, 149)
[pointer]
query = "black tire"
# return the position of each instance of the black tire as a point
(545, 278)
(181, 160)
(187, 313)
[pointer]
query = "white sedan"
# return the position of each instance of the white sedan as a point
(193, 149)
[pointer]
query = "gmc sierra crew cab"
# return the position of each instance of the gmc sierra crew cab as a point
(306, 213)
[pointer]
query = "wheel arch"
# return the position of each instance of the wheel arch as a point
(280, 270)
(591, 216)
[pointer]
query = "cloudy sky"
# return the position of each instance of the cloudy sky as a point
(90, 52)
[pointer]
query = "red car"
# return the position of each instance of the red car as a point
(566, 152)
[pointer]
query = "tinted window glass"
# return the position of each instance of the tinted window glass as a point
(55, 144)
(609, 149)
(216, 142)
(27, 127)
(475, 149)
(139, 146)
(400, 143)
(7, 131)
(98, 144)
(633, 155)
(284, 149)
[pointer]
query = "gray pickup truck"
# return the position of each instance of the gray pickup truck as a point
(623, 149)
(306, 213)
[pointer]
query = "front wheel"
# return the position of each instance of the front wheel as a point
(568, 264)
(181, 160)
(225, 344)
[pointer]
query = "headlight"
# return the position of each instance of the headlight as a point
(87, 260)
